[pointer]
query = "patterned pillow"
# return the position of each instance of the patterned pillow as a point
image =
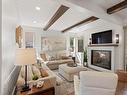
(36, 71)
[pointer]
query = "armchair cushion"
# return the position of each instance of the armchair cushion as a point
(95, 83)
(94, 79)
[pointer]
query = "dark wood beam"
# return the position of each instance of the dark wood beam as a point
(86, 21)
(62, 9)
(117, 7)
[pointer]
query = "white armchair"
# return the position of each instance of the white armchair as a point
(95, 83)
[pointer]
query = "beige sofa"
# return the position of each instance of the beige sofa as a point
(55, 80)
(53, 63)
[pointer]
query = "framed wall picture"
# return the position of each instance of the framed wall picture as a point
(19, 36)
(53, 44)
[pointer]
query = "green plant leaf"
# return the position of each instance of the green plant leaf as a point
(85, 55)
(35, 77)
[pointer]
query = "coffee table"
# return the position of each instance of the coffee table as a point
(47, 89)
(68, 72)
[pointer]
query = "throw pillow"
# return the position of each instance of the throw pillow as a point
(36, 71)
(43, 56)
(43, 72)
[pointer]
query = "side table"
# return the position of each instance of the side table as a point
(122, 75)
(47, 89)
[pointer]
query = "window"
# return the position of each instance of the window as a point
(80, 45)
(29, 39)
(72, 44)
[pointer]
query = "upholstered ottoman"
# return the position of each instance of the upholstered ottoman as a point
(69, 72)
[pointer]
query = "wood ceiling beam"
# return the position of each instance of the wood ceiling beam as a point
(86, 21)
(62, 9)
(117, 7)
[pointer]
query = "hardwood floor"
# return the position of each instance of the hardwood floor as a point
(121, 88)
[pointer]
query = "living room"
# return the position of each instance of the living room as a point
(62, 32)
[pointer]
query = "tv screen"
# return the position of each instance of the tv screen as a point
(102, 37)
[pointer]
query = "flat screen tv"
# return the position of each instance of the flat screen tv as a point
(102, 37)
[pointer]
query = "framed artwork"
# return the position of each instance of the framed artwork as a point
(19, 35)
(53, 43)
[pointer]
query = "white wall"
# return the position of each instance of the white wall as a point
(9, 23)
(117, 29)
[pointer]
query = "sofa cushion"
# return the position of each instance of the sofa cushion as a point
(43, 56)
(43, 72)
(57, 62)
(65, 57)
(36, 71)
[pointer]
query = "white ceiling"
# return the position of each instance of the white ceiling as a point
(28, 13)
(105, 4)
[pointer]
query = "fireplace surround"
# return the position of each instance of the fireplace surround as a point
(101, 58)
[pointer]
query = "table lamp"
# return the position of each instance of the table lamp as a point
(25, 57)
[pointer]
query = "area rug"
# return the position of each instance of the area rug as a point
(67, 86)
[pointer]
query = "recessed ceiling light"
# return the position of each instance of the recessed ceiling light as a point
(34, 21)
(37, 8)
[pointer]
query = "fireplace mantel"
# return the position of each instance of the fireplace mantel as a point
(100, 45)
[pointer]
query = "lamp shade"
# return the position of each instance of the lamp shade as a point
(25, 56)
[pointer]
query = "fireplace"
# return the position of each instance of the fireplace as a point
(101, 58)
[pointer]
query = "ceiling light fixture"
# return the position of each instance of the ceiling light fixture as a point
(37, 8)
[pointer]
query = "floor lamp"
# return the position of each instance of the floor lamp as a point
(25, 57)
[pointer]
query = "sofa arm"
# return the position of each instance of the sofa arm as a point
(20, 81)
(76, 84)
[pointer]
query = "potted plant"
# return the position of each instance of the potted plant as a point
(85, 58)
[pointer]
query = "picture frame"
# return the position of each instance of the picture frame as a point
(19, 36)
